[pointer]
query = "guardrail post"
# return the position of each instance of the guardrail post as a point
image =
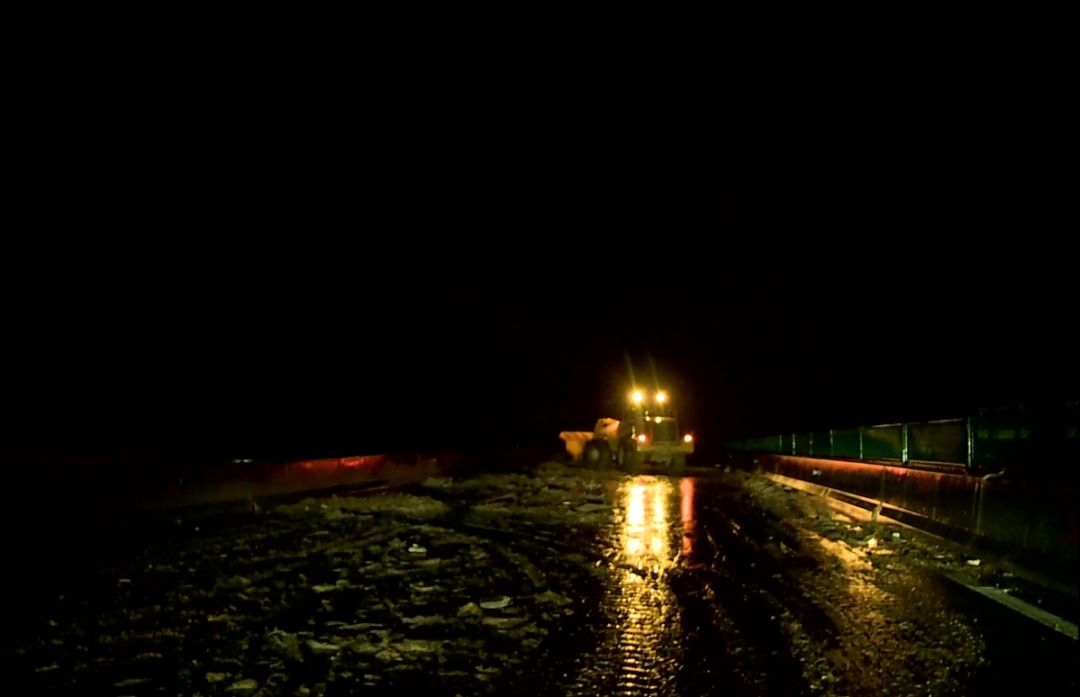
(970, 444)
(904, 443)
(860, 443)
(831, 450)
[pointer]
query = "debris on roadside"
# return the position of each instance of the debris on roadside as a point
(495, 603)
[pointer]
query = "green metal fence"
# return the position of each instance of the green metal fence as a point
(883, 442)
(847, 442)
(991, 439)
(938, 441)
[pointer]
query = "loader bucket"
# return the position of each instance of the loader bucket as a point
(575, 442)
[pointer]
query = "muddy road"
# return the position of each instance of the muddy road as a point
(558, 581)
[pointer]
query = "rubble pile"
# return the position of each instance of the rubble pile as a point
(380, 592)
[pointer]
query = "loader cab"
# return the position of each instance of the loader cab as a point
(652, 414)
(655, 428)
(649, 433)
(661, 429)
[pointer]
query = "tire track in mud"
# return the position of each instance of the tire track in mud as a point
(702, 623)
(625, 637)
(778, 629)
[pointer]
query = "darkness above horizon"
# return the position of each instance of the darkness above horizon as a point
(314, 275)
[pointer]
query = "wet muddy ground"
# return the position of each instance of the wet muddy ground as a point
(560, 581)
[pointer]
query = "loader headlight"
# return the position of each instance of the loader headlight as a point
(661, 397)
(688, 438)
(637, 397)
(642, 438)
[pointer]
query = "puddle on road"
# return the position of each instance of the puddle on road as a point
(652, 528)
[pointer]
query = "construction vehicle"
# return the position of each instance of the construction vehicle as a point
(648, 433)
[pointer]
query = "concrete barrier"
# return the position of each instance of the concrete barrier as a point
(1024, 518)
(252, 481)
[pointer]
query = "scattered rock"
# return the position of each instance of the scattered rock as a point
(318, 647)
(284, 645)
(552, 597)
(236, 583)
(420, 646)
(403, 505)
(495, 603)
(469, 610)
(423, 620)
(504, 622)
(243, 686)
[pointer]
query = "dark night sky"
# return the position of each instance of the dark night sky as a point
(260, 272)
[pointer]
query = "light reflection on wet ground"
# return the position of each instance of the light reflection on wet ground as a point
(640, 646)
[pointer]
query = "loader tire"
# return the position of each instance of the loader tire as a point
(629, 458)
(678, 463)
(605, 454)
(596, 454)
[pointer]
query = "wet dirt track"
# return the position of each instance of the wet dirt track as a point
(563, 581)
